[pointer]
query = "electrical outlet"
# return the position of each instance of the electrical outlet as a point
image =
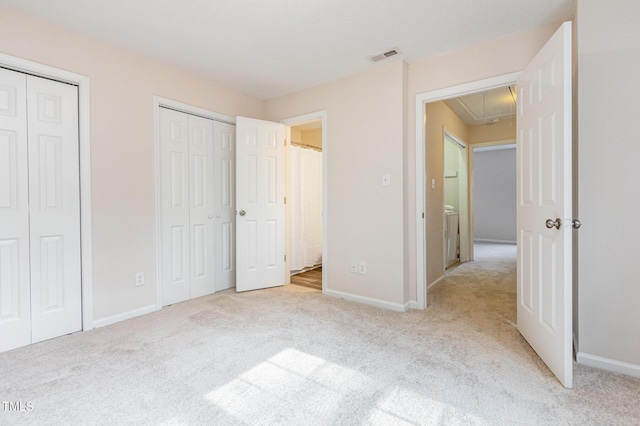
(139, 279)
(362, 267)
(354, 267)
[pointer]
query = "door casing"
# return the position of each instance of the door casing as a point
(84, 134)
(158, 102)
(421, 170)
(296, 121)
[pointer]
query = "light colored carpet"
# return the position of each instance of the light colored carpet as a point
(292, 356)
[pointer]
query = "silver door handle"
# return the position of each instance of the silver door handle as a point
(576, 224)
(242, 213)
(554, 223)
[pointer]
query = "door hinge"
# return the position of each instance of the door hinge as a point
(423, 215)
(285, 142)
(285, 200)
(285, 257)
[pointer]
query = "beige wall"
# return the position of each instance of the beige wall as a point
(500, 131)
(364, 140)
(439, 117)
(609, 290)
(122, 86)
(312, 137)
(296, 135)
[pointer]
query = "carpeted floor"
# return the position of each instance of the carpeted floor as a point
(292, 356)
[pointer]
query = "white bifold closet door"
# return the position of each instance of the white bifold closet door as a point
(40, 280)
(198, 216)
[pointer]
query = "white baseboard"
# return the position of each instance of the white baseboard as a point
(435, 284)
(487, 240)
(124, 316)
(609, 364)
(412, 304)
(368, 300)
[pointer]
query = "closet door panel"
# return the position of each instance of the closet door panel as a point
(201, 206)
(54, 188)
(174, 171)
(15, 307)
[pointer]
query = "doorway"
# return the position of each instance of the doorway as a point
(195, 223)
(492, 167)
(305, 204)
(308, 132)
(456, 201)
(50, 203)
(429, 177)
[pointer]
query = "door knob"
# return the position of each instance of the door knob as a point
(576, 224)
(210, 216)
(242, 213)
(554, 223)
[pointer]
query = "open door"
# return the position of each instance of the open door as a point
(260, 204)
(544, 212)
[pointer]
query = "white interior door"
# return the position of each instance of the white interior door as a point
(201, 211)
(260, 201)
(54, 188)
(15, 287)
(544, 192)
(224, 136)
(174, 171)
(187, 203)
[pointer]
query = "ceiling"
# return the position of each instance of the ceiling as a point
(268, 48)
(485, 107)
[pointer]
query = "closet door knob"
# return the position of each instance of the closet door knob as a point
(242, 213)
(576, 224)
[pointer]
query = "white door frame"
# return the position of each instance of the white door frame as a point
(84, 133)
(296, 121)
(499, 144)
(158, 102)
(421, 100)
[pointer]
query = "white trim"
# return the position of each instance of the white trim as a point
(488, 240)
(192, 110)
(456, 140)
(421, 99)
(608, 364)
(296, 121)
(84, 133)
(499, 147)
(368, 300)
(412, 304)
(436, 283)
(159, 101)
(124, 316)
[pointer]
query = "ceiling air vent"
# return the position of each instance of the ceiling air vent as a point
(385, 55)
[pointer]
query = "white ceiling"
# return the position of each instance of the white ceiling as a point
(268, 48)
(485, 107)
